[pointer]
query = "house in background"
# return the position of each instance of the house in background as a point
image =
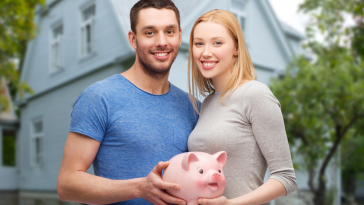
(82, 42)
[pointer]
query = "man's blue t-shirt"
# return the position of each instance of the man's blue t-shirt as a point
(136, 129)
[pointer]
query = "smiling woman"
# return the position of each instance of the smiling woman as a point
(223, 42)
(215, 49)
(240, 116)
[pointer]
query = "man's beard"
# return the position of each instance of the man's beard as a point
(148, 66)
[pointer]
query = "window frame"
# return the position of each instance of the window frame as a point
(56, 41)
(36, 159)
(83, 46)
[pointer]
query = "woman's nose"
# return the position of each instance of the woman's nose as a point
(206, 53)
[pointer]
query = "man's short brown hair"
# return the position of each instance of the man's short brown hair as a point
(158, 4)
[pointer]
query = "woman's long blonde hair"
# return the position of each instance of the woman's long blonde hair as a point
(242, 68)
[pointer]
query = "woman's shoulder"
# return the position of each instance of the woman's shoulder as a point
(255, 92)
(252, 88)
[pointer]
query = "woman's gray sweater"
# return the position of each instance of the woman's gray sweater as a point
(250, 129)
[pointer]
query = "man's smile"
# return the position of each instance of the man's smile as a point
(161, 55)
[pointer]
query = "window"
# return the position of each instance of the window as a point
(87, 30)
(238, 8)
(56, 48)
(37, 143)
(8, 148)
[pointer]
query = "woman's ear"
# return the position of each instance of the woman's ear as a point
(236, 53)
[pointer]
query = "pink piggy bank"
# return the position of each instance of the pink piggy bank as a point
(199, 175)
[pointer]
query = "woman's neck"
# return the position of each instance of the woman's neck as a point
(220, 81)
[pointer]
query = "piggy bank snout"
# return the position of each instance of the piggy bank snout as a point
(216, 177)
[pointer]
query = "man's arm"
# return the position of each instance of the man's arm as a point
(75, 184)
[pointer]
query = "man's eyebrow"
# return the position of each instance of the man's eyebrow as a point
(148, 27)
(153, 27)
(172, 26)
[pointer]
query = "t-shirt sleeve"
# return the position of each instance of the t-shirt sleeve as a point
(264, 113)
(89, 114)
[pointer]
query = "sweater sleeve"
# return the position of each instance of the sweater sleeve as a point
(264, 113)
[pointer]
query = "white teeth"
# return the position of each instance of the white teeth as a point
(209, 64)
(161, 54)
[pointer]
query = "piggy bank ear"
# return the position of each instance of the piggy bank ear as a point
(221, 157)
(187, 159)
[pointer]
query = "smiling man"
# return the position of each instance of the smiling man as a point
(129, 123)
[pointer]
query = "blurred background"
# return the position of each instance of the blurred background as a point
(309, 52)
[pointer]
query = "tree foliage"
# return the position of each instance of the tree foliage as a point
(323, 100)
(17, 28)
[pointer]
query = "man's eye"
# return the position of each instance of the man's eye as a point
(149, 33)
(170, 32)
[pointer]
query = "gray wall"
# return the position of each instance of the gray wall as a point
(109, 44)
(54, 108)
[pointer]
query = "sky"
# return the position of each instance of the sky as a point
(286, 10)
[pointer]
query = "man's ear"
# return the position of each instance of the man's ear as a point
(180, 35)
(132, 39)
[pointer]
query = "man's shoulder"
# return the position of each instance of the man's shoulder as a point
(106, 83)
(105, 86)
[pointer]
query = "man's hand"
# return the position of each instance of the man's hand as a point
(216, 201)
(153, 187)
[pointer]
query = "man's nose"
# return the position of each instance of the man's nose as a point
(161, 40)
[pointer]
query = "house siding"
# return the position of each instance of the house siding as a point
(55, 109)
(108, 44)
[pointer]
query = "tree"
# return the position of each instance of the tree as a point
(352, 154)
(322, 101)
(17, 28)
(329, 19)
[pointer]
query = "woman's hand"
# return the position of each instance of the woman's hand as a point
(216, 201)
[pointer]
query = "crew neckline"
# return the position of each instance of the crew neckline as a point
(170, 87)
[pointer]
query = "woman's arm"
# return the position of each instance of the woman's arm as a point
(263, 111)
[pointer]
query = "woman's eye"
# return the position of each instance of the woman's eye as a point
(198, 44)
(218, 43)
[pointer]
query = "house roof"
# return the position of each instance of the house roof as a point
(271, 17)
(289, 30)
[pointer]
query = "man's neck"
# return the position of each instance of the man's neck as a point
(142, 80)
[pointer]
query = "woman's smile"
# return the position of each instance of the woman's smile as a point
(208, 65)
